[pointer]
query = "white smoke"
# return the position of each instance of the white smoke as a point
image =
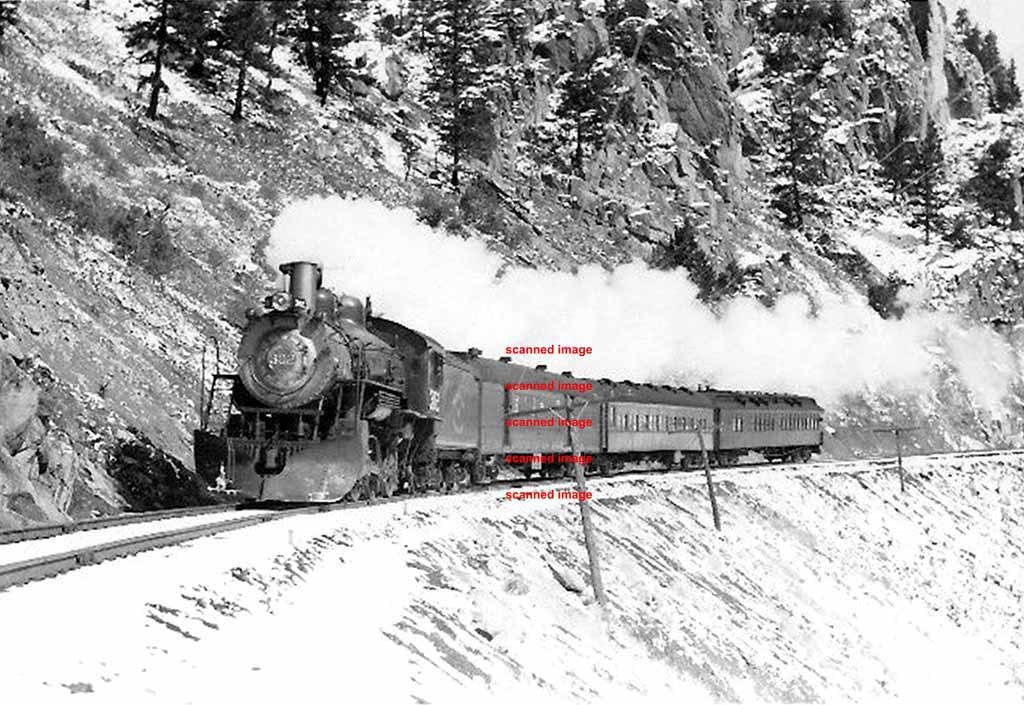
(643, 324)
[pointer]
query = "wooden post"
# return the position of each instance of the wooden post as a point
(897, 432)
(1018, 200)
(707, 476)
(588, 527)
(899, 459)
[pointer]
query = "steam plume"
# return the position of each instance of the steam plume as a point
(643, 324)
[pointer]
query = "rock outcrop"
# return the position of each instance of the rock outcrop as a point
(47, 472)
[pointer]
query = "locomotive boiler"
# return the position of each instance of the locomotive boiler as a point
(317, 408)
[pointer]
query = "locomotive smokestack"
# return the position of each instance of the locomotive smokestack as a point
(304, 279)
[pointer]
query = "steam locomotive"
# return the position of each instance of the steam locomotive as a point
(330, 402)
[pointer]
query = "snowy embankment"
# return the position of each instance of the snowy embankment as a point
(821, 586)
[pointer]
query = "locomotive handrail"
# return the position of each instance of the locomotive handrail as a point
(206, 408)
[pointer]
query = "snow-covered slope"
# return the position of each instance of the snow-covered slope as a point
(821, 587)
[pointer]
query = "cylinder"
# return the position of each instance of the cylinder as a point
(303, 281)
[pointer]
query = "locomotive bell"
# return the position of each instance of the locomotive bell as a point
(304, 279)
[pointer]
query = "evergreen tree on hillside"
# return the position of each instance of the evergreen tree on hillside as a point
(924, 190)
(968, 31)
(684, 251)
(991, 187)
(196, 34)
(897, 152)
(1005, 94)
(812, 18)
(173, 34)
(800, 168)
(150, 37)
(280, 16)
(510, 20)
(586, 104)
(457, 78)
(323, 29)
(246, 29)
(8, 16)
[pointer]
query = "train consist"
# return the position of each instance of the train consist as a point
(329, 402)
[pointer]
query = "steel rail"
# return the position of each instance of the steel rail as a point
(22, 572)
(42, 531)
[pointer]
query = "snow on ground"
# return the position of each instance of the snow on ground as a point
(27, 550)
(893, 247)
(821, 587)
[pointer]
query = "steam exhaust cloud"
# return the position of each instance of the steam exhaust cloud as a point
(643, 324)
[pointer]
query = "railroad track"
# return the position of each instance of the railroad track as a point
(48, 562)
(43, 531)
(19, 572)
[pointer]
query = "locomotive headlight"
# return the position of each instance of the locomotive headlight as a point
(281, 301)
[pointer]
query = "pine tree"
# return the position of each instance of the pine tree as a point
(1012, 96)
(991, 187)
(898, 150)
(246, 29)
(453, 35)
(280, 16)
(8, 16)
(150, 36)
(969, 32)
(196, 32)
(924, 189)
(586, 104)
(684, 251)
(988, 52)
(323, 29)
(1005, 93)
(800, 168)
(417, 19)
(175, 34)
(509, 21)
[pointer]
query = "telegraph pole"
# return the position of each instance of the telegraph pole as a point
(707, 472)
(707, 476)
(897, 432)
(589, 538)
(588, 526)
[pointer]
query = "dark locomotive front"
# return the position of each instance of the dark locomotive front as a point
(316, 409)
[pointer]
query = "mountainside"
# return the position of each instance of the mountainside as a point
(754, 147)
